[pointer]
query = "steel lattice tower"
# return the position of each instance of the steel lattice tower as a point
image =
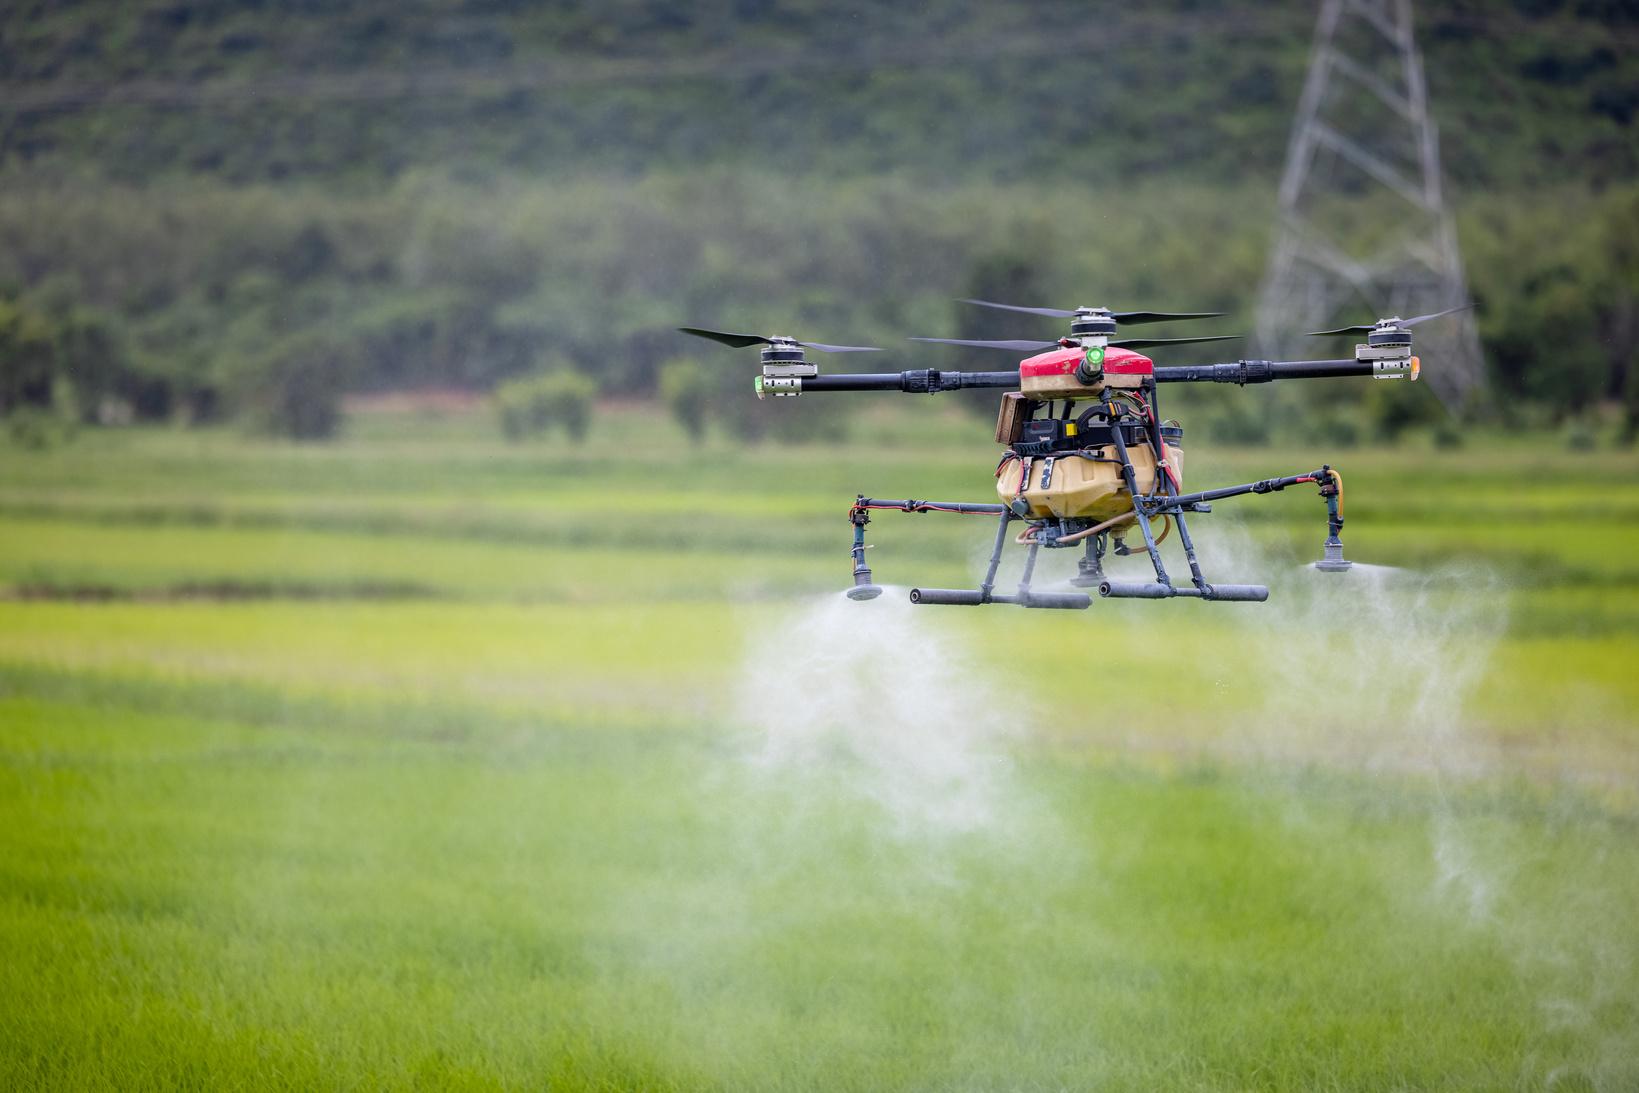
(1363, 230)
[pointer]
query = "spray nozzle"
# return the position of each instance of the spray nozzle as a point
(863, 589)
(1331, 488)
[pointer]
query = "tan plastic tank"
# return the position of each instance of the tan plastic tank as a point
(1071, 486)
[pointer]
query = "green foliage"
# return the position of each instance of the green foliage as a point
(1524, 93)
(1560, 292)
(1580, 437)
(57, 353)
(1447, 436)
(93, 359)
(37, 428)
(531, 405)
(174, 252)
(1394, 406)
(745, 417)
(1332, 429)
(805, 419)
(699, 395)
(1239, 422)
(1011, 272)
(186, 287)
(28, 358)
(294, 389)
(686, 389)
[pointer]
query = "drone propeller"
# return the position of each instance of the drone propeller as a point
(1392, 323)
(1147, 343)
(1131, 318)
(1020, 346)
(740, 341)
(1124, 343)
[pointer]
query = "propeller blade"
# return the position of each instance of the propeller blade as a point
(1367, 329)
(1056, 312)
(1022, 347)
(1437, 314)
(1136, 318)
(1147, 343)
(1341, 330)
(823, 348)
(738, 341)
(1133, 317)
(1125, 343)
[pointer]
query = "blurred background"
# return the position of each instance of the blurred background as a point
(256, 213)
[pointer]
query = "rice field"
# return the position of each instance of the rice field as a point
(421, 760)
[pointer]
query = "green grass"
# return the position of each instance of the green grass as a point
(215, 901)
(372, 767)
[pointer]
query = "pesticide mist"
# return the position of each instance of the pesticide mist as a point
(872, 701)
(1377, 669)
(893, 833)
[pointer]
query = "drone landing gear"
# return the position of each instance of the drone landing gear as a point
(985, 593)
(1167, 502)
(863, 589)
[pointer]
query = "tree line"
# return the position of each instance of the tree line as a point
(199, 303)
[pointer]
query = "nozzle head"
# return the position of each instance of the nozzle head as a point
(1333, 561)
(863, 589)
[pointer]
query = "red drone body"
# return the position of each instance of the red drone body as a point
(1062, 362)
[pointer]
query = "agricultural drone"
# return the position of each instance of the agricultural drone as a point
(1101, 466)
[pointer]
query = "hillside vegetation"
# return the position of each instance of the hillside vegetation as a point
(216, 209)
(1527, 92)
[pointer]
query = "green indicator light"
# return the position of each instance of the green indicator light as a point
(1095, 356)
(757, 386)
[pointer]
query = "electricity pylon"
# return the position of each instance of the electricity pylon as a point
(1363, 231)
